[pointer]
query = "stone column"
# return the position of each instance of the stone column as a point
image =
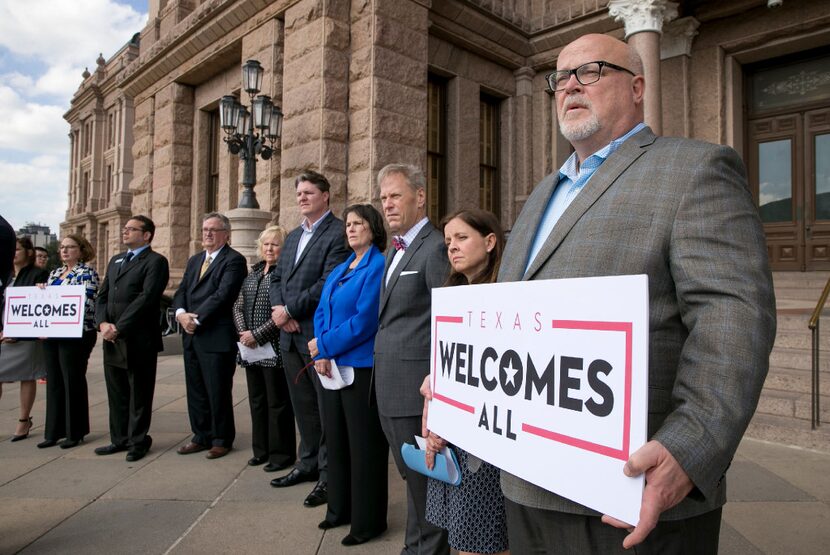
(315, 100)
(176, 219)
(675, 53)
(643, 21)
(387, 99)
(521, 144)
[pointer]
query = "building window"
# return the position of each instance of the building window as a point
(108, 192)
(436, 148)
(214, 146)
(488, 195)
(84, 193)
(111, 130)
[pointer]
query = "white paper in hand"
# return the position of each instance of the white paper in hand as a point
(255, 354)
(341, 376)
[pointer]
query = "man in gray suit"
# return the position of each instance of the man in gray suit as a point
(416, 265)
(628, 202)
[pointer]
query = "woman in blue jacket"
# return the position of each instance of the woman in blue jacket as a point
(345, 324)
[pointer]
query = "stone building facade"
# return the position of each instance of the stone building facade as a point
(455, 86)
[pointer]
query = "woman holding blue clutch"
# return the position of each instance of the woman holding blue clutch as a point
(473, 512)
(345, 325)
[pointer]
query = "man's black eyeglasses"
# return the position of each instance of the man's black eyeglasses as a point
(586, 74)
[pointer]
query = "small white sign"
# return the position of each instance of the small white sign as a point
(547, 380)
(56, 311)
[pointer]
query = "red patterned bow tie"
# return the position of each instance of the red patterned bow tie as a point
(399, 243)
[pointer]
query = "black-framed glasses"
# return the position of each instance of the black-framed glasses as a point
(586, 74)
(128, 229)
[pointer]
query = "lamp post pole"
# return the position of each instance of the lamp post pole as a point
(238, 124)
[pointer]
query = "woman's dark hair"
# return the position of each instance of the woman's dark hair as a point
(371, 216)
(87, 252)
(27, 245)
(485, 223)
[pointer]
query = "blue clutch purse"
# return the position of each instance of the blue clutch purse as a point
(446, 466)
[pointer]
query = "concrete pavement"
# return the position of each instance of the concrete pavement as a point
(73, 501)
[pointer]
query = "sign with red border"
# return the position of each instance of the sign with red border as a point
(50, 312)
(548, 381)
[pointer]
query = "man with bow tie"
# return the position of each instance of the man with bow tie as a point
(127, 311)
(417, 263)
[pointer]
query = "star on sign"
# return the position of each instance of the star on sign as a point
(511, 373)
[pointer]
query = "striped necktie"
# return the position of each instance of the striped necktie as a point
(205, 265)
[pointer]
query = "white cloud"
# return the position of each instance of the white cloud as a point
(67, 32)
(33, 127)
(35, 191)
(46, 45)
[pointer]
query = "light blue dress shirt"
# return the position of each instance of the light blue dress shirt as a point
(572, 179)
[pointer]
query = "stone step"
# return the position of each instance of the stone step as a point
(795, 292)
(811, 280)
(792, 404)
(796, 321)
(798, 359)
(789, 431)
(797, 381)
(802, 339)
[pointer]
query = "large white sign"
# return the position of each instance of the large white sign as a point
(547, 380)
(51, 312)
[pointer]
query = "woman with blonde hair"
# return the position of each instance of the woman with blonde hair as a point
(272, 418)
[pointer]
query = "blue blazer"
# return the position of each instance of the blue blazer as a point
(346, 320)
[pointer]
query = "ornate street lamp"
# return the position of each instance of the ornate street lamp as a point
(238, 124)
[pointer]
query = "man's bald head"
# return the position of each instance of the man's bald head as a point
(591, 116)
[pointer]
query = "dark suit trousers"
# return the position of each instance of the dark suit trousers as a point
(539, 531)
(272, 418)
(358, 458)
(422, 537)
(67, 399)
(130, 394)
(307, 400)
(209, 380)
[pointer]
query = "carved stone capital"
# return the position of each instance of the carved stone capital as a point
(642, 15)
(677, 38)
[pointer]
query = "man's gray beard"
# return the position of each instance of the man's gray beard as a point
(579, 131)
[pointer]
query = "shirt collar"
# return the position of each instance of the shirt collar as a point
(570, 169)
(413, 232)
(213, 254)
(139, 250)
(315, 225)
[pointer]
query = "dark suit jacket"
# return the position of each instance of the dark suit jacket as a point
(402, 342)
(8, 244)
(212, 298)
(130, 298)
(679, 211)
(31, 275)
(298, 286)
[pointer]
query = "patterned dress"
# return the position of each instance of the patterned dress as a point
(473, 512)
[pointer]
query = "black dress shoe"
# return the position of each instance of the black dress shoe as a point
(271, 467)
(110, 449)
(318, 495)
(70, 443)
(350, 540)
(46, 443)
(136, 454)
(256, 461)
(293, 478)
(328, 525)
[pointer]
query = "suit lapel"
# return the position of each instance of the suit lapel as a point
(407, 256)
(521, 236)
(136, 261)
(602, 179)
(314, 237)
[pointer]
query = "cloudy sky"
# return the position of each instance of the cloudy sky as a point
(44, 47)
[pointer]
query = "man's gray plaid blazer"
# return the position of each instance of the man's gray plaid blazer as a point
(680, 211)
